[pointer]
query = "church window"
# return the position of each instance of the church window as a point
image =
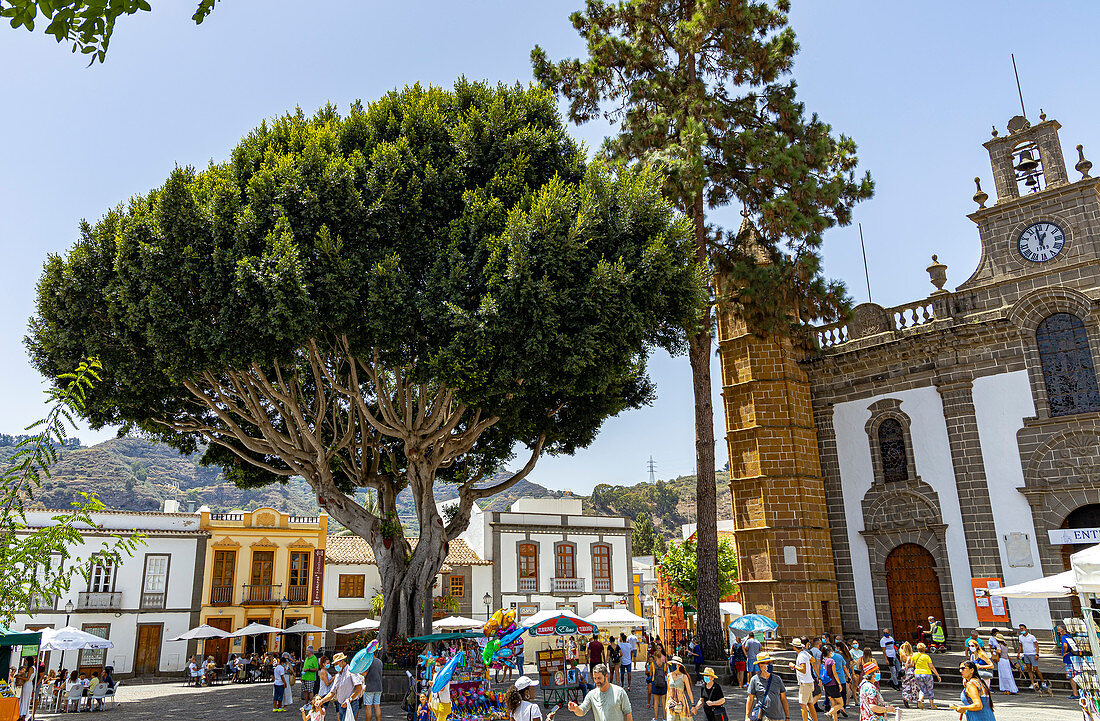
(891, 445)
(1066, 363)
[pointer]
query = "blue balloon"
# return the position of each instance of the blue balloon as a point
(444, 676)
(361, 661)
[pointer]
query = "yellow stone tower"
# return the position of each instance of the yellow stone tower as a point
(781, 529)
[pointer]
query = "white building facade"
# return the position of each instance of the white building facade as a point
(149, 597)
(547, 554)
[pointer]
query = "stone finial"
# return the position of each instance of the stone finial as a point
(1083, 166)
(994, 131)
(937, 272)
(1042, 114)
(981, 196)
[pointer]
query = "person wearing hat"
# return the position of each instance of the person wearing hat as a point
(309, 674)
(871, 704)
(680, 699)
(803, 668)
(711, 698)
(999, 648)
(767, 696)
(347, 689)
(520, 700)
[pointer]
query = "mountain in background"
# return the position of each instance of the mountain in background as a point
(139, 475)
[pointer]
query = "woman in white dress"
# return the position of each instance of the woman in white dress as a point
(26, 691)
(1005, 680)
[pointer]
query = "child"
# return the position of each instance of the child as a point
(423, 711)
(649, 678)
(316, 712)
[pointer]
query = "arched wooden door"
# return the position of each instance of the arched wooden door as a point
(913, 587)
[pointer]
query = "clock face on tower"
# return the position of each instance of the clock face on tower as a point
(1041, 242)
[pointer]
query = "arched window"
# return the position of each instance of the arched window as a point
(565, 560)
(528, 566)
(1066, 363)
(891, 448)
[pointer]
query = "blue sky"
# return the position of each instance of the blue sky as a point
(917, 85)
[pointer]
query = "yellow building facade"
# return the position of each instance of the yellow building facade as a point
(262, 566)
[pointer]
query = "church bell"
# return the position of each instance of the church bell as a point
(1027, 163)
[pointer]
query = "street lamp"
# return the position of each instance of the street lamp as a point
(283, 603)
(488, 601)
(68, 613)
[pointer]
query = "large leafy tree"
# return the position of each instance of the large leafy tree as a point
(702, 87)
(87, 24)
(387, 300)
(679, 566)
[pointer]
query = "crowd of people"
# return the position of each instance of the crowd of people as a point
(69, 690)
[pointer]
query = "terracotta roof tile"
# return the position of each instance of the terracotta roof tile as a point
(355, 550)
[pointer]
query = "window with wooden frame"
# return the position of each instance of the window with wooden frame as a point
(565, 560)
(601, 560)
(102, 579)
(528, 560)
(221, 582)
(352, 585)
(458, 587)
(298, 586)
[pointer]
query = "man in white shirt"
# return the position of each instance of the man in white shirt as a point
(803, 668)
(890, 653)
(347, 689)
(1028, 656)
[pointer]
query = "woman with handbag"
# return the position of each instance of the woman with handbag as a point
(767, 696)
(711, 698)
(680, 699)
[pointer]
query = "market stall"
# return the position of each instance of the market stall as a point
(559, 681)
(29, 640)
(1085, 566)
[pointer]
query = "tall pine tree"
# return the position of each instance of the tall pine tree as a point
(703, 88)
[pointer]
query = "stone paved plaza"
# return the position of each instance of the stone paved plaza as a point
(173, 702)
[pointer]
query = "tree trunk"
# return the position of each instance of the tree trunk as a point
(708, 617)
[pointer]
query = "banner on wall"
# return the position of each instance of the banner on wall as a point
(318, 576)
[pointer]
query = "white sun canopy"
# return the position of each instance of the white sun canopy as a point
(618, 617)
(1086, 570)
(367, 624)
(1056, 586)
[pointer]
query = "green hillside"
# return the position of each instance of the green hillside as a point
(139, 475)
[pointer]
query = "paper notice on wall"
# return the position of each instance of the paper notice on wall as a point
(983, 602)
(997, 606)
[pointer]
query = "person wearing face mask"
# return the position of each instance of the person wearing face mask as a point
(871, 705)
(347, 689)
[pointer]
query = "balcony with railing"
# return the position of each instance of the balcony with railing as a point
(304, 519)
(601, 585)
(567, 585)
(528, 585)
(99, 601)
(153, 601)
(869, 319)
(257, 595)
(226, 516)
(41, 602)
(297, 594)
(221, 596)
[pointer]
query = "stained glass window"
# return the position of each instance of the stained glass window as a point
(1067, 365)
(891, 448)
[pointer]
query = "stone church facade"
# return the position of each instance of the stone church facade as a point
(934, 442)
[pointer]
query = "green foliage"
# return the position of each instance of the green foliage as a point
(445, 603)
(703, 90)
(460, 236)
(678, 565)
(659, 499)
(643, 539)
(38, 563)
(377, 602)
(87, 24)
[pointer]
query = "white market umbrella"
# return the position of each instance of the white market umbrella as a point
(367, 624)
(457, 623)
(255, 629)
(543, 616)
(620, 617)
(71, 639)
(1056, 586)
(304, 627)
(201, 632)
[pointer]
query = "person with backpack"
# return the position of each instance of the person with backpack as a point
(830, 680)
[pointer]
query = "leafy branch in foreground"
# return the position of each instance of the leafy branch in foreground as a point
(88, 24)
(38, 562)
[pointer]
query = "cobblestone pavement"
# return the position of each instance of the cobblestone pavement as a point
(173, 702)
